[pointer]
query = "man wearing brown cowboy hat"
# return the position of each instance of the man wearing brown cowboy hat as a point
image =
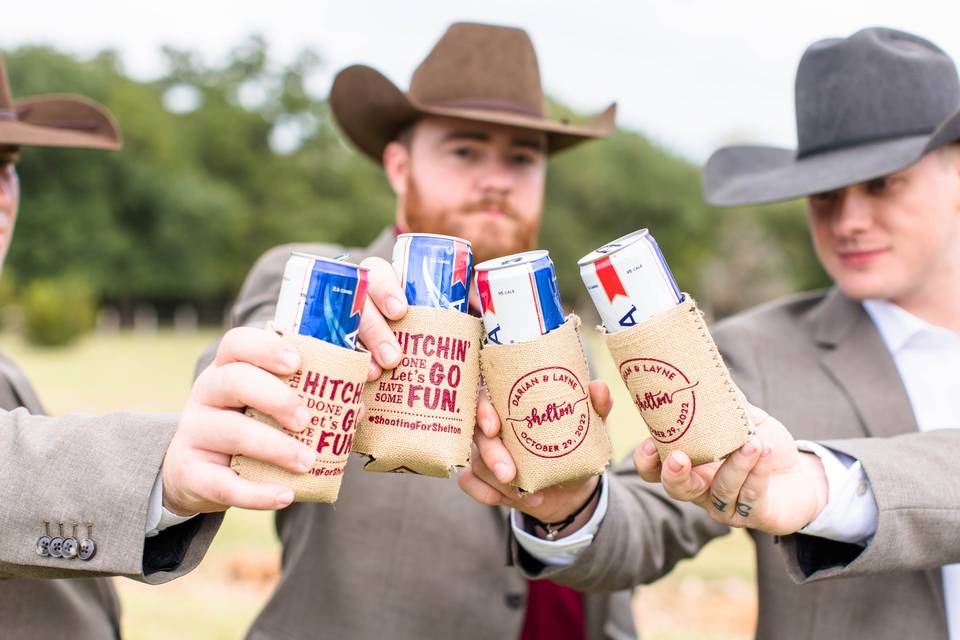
(878, 119)
(405, 556)
(85, 496)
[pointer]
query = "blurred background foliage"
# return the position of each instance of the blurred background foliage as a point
(222, 162)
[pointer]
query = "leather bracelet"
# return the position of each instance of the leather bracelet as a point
(553, 528)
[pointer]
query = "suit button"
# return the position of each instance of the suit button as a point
(514, 600)
(56, 547)
(87, 549)
(43, 546)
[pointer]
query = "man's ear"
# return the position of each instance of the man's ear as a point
(396, 163)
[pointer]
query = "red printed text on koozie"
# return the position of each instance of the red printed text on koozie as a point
(424, 392)
(665, 396)
(333, 404)
(548, 412)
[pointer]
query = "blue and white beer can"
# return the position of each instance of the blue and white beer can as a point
(629, 281)
(519, 297)
(434, 270)
(322, 298)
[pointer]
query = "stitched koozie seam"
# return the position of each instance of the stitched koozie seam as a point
(718, 363)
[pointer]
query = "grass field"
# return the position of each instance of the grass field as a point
(221, 597)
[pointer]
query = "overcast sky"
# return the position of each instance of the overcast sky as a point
(691, 74)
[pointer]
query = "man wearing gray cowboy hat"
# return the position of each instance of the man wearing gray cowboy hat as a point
(465, 150)
(85, 496)
(867, 371)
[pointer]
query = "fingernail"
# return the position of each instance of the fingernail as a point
(388, 353)
(306, 459)
(673, 460)
(533, 499)
(767, 450)
(373, 371)
(290, 359)
(649, 448)
(500, 470)
(284, 497)
(302, 417)
(749, 448)
(395, 307)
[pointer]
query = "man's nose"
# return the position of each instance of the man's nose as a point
(854, 213)
(496, 176)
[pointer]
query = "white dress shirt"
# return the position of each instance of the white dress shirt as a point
(158, 517)
(928, 359)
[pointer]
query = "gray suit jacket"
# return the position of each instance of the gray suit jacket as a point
(914, 481)
(400, 556)
(817, 363)
(83, 469)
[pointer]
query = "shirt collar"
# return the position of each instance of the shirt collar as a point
(897, 326)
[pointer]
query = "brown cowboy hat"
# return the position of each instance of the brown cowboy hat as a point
(477, 72)
(55, 121)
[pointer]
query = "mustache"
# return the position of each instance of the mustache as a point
(486, 204)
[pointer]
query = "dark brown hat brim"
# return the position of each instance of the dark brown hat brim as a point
(747, 175)
(61, 121)
(372, 111)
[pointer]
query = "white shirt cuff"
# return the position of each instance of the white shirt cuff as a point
(565, 551)
(158, 517)
(851, 513)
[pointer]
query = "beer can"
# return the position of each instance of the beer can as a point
(629, 281)
(322, 298)
(519, 297)
(434, 270)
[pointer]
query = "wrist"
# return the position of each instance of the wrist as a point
(557, 527)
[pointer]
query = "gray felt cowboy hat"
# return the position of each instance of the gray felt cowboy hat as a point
(475, 72)
(55, 121)
(867, 106)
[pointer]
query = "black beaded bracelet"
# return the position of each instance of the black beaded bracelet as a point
(553, 528)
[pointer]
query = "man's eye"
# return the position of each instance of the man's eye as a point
(522, 159)
(878, 184)
(465, 152)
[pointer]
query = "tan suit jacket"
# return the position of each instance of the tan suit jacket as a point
(83, 469)
(818, 364)
(403, 556)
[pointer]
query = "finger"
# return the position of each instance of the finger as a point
(678, 479)
(258, 347)
(487, 418)
(647, 461)
(478, 489)
(233, 433)
(238, 385)
(221, 486)
(731, 475)
(495, 456)
(754, 489)
(384, 288)
(377, 337)
(373, 371)
(600, 396)
(756, 415)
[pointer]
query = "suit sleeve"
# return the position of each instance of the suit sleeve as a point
(641, 538)
(913, 478)
(87, 470)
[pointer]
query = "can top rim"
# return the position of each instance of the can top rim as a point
(435, 235)
(516, 259)
(623, 242)
(344, 263)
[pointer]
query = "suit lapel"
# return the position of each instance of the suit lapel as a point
(857, 359)
(21, 387)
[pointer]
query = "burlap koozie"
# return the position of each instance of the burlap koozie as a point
(330, 381)
(420, 416)
(547, 422)
(680, 384)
